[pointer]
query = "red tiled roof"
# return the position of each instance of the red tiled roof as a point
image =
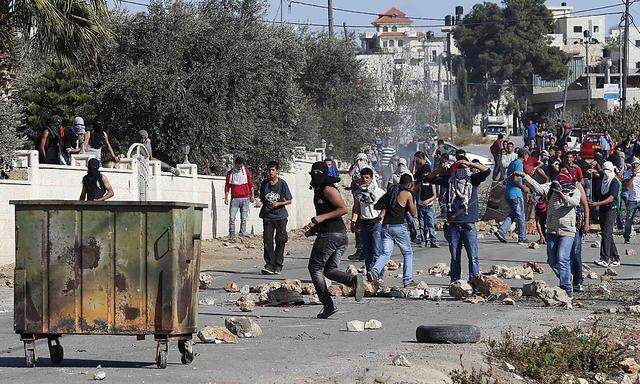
(392, 16)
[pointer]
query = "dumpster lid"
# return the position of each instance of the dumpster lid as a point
(116, 203)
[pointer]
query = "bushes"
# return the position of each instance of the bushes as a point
(9, 139)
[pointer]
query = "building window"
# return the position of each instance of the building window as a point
(378, 28)
(392, 43)
(577, 28)
(384, 44)
(596, 29)
(394, 29)
(638, 65)
(385, 29)
(638, 43)
(400, 43)
(434, 56)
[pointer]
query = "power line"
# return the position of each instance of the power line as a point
(134, 3)
(360, 12)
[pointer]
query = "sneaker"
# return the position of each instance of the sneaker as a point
(359, 286)
(326, 313)
(268, 271)
(601, 263)
(357, 256)
(411, 284)
(578, 288)
(277, 272)
(372, 277)
(615, 263)
(434, 245)
(500, 237)
(626, 241)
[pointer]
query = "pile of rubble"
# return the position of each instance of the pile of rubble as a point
(234, 328)
(524, 272)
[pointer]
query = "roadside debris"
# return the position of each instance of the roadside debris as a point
(610, 272)
(231, 287)
(246, 304)
(537, 268)
(518, 272)
(243, 327)
(439, 270)
(475, 299)
(99, 375)
(205, 280)
(434, 294)
(400, 360)
(351, 269)
(355, 326)
(415, 294)
(392, 265)
(593, 275)
(207, 301)
(629, 365)
(534, 245)
(284, 296)
(631, 252)
(308, 289)
(508, 301)
(490, 285)
(217, 335)
(460, 289)
(373, 324)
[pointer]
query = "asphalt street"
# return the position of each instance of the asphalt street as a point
(298, 348)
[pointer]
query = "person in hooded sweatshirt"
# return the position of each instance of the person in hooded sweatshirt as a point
(462, 210)
(608, 205)
(95, 185)
(73, 139)
(331, 239)
(95, 139)
(562, 199)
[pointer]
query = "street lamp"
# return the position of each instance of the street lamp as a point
(587, 40)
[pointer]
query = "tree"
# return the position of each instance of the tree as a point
(334, 82)
(611, 122)
(73, 30)
(57, 90)
(210, 76)
(9, 139)
(504, 47)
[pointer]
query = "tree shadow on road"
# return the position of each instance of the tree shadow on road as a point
(19, 362)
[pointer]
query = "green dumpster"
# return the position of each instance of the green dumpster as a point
(108, 268)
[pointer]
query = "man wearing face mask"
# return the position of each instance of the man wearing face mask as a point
(610, 194)
(631, 182)
(462, 211)
(368, 219)
(331, 239)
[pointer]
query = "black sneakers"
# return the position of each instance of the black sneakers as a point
(326, 313)
(500, 237)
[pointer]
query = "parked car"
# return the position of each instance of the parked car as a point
(575, 139)
(451, 149)
(590, 142)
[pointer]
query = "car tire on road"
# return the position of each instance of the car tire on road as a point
(448, 334)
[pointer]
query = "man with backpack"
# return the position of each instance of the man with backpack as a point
(610, 190)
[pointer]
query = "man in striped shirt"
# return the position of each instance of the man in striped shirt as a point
(386, 152)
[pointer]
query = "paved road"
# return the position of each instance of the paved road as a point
(296, 347)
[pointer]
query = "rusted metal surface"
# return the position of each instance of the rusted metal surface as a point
(129, 269)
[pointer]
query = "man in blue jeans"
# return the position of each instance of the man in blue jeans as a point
(631, 181)
(463, 211)
(239, 184)
(367, 218)
(515, 198)
(426, 193)
(396, 203)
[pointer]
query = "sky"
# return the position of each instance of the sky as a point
(436, 9)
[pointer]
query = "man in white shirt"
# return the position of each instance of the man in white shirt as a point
(631, 182)
(367, 218)
(506, 159)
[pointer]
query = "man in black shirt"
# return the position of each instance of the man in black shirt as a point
(274, 195)
(426, 195)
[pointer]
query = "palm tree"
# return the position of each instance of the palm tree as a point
(72, 30)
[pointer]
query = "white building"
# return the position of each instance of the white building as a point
(393, 33)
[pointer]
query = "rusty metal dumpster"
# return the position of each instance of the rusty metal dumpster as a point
(108, 268)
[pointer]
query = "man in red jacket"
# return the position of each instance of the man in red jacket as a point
(240, 183)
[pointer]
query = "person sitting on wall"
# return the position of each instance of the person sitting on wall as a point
(95, 185)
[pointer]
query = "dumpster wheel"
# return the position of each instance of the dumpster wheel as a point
(186, 349)
(30, 353)
(161, 354)
(56, 352)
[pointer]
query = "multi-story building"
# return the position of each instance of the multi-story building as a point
(393, 33)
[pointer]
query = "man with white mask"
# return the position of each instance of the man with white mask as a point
(610, 191)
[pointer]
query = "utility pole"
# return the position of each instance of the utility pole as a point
(586, 50)
(330, 15)
(625, 76)
(449, 87)
(281, 10)
(344, 27)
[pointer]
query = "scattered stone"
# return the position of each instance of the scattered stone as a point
(284, 296)
(537, 268)
(610, 272)
(475, 299)
(629, 365)
(312, 300)
(396, 292)
(231, 287)
(630, 379)
(335, 290)
(533, 288)
(419, 272)
(585, 268)
(8, 283)
(207, 301)
(534, 245)
(433, 294)
(245, 290)
(508, 367)
(99, 375)
(508, 301)
(415, 294)
(246, 304)
(392, 265)
(516, 294)
(593, 275)
(460, 289)
(373, 324)
(600, 377)
(308, 289)
(351, 269)
(595, 244)
(422, 285)
(292, 285)
(205, 280)
(580, 380)
(517, 272)
(401, 361)
(217, 334)
(603, 289)
(347, 291)
(634, 309)
(439, 270)
(355, 326)
(631, 252)
(243, 326)
(554, 297)
(490, 285)
(370, 289)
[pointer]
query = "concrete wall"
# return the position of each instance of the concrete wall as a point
(64, 183)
